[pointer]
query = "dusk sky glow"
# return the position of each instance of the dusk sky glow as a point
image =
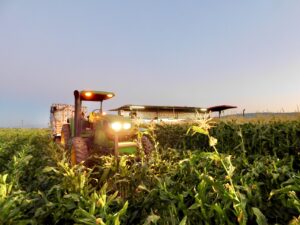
(184, 53)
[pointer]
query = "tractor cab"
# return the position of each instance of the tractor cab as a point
(97, 131)
(96, 96)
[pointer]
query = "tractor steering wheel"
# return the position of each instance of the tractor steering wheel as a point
(95, 110)
(94, 114)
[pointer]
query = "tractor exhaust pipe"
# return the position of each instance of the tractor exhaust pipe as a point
(77, 130)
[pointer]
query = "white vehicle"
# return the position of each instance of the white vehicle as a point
(59, 115)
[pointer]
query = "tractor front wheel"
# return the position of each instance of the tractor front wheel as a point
(79, 151)
(147, 144)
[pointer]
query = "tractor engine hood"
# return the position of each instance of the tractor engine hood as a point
(114, 124)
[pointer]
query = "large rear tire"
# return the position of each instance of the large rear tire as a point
(79, 151)
(65, 135)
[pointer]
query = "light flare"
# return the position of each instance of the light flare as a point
(126, 126)
(116, 126)
(88, 94)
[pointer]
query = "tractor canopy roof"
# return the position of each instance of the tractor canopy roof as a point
(98, 96)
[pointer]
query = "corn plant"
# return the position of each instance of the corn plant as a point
(239, 203)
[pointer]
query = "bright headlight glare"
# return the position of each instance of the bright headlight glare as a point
(116, 126)
(126, 126)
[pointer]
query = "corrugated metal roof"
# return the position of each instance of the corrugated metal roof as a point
(220, 108)
(155, 108)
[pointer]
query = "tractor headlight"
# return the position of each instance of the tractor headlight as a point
(126, 126)
(116, 126)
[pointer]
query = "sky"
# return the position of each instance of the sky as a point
(155, 52)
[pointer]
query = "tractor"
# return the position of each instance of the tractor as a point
(100, 132)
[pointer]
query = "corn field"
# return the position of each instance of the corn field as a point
(203, 173)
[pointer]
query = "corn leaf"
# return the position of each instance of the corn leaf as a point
(260, 218)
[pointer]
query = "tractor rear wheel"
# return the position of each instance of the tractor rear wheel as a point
(147, 144)
(79, 151)
(65, 135)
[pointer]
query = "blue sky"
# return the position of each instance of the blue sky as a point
(186, 53)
